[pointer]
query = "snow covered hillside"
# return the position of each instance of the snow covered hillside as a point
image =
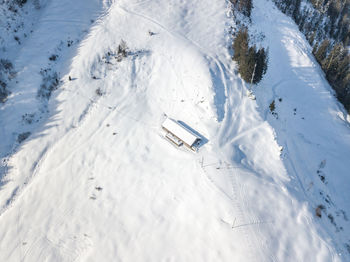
(87, 174)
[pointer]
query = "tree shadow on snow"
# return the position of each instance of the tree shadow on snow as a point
(218, 77)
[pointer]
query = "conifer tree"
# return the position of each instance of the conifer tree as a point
(247, 64)
(331, 63)
(240, 44)
(321, 52)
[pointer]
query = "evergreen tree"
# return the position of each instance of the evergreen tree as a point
(321, 52)
(331, 63)
(240, 44)
(311, 38)
(247, 64)
(337, 68)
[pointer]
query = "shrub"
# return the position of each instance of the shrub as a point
(99, 92)
(272, 106)
(53, 57)
(122, 51)
(23, 136)
(318, 210)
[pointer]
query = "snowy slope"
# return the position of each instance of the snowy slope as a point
(309, 123)
(96, 180)
(48, 33)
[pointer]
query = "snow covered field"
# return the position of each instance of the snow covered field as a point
(97, 181)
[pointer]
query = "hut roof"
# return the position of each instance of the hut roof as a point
(180, 131)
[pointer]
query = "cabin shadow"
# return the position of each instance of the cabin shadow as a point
(203, 140)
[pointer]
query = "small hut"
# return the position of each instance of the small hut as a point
(179, 134)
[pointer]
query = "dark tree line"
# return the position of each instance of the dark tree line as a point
(326, 25)
(335, 62)
(252, 62)
(320, 19)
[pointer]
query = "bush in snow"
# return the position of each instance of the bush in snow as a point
(319, 209)
(272, 107)
(122, 51)
(23, 136)
(99, 92)
(53, 57)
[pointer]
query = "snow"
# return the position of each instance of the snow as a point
(181, 132)
(96, 181)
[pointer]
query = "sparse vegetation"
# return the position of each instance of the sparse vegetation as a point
(53, 57)
(17, 39)
(28, 118)
(3, 91)
(6, 73)
(122, 51)
(331, 218)
(272, 107)
(319, 210)
(99, 92)
(50, 83)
